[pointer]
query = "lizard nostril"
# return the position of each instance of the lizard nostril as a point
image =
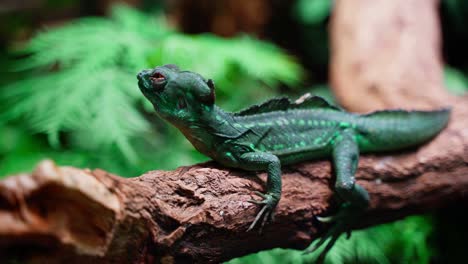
(143, 73)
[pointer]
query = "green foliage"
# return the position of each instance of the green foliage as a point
(77, 85)
(455, 81)
(81, 79)
(232, 63)
(20, 151)
(252, 59)
(312, 11)
(457, 10)
(404, 241)
(313, 40)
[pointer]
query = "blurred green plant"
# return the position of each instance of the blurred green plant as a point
(405, 241)
(78, 84)
(313, 41)
(455, 81)
(457, 10)
(312, 11)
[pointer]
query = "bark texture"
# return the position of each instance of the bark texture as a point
(200, 213)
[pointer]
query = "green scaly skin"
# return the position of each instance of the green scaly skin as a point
(278, 132)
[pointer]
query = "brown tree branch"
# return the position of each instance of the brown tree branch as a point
(387, 54)
(200, 213)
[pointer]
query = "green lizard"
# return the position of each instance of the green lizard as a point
(278, 132)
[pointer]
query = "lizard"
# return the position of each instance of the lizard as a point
(279, 132)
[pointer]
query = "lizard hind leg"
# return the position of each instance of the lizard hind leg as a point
(355, 198)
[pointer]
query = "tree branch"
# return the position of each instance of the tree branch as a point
(200, 213)
(387, 54)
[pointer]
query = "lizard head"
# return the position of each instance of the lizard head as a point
(177, 95)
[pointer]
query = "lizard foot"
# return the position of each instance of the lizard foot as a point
(326, 219)
(265, 215)
(343, 221)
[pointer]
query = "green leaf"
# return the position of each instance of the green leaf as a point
(82, 80)
(78, 85)
(227, 60)
(312, 11)
(455, 81)
(404, 241)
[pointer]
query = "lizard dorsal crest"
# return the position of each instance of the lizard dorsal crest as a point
(283, 103)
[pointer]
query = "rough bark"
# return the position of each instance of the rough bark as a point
(200, 213)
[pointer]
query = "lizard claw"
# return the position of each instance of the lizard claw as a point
(256, 201)
(343, 220)
(326, 219)
(264, 196)
(266, 213)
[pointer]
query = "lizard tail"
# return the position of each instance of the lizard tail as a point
(398, 129)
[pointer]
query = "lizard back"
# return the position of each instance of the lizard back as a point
(301, 131)
(293, 131)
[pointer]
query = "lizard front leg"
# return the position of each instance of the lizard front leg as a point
(356, 199)
(256, 161)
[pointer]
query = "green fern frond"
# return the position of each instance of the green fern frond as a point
(404, 241)
(218, 58)
(80, 78)
(83, 80)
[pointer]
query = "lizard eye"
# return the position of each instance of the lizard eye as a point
(157, 78)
